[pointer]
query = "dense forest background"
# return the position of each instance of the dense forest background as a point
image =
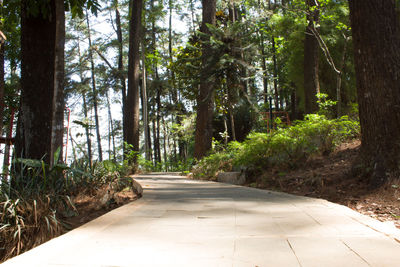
(258, 50)
(93, 91)
(163, 82)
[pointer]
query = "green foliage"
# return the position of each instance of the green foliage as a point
(37, 196)
(283, 148)
(289, 147)
(326, 106)
(218, 161)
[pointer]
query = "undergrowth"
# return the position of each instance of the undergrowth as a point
(286, 147)
(36, 197)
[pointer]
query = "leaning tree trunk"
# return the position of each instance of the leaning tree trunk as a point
(311, 80)
(132, 100)
(41, 82)
(205, 101)
(376, 38)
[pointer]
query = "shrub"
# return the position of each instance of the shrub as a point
(283, 148)
(38, 195)
(222, 160)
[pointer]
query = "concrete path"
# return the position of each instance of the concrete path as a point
(183, 222)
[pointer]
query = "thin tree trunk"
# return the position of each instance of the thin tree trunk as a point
(158, 118)
(85, 108)
(264, 68)
(134, 76)
(311, 58)
(7, 151)
(121, 75)
(165, 144)
(145, 113)
(94, 91)
(111, 129)
(87, 130)
(339, 81)
(2, 87)
(155, 141)
(72, 145)
(275, 73)
(174, 94)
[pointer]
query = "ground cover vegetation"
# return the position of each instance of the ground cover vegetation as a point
(182, 85)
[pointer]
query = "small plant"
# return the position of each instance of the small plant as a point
(325, 105)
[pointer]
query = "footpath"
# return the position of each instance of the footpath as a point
(181, 222)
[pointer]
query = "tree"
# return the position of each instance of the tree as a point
(311, 82)
(376, 38)
(94, 89)
(132, 100)
(205, 101)
(42, 107)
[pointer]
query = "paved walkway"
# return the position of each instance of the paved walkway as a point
(183, 222)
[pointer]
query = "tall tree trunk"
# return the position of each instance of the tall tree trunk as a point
(165, 144)
(87, 130)
(72, 145)
(7, 152)
(339, 81)
(174, 93)
(158, 118)
(111, 134)
(156, 80)
(155, 141)
(2, 87)
(57, 141)
(376, 38)
(293, 102)
(205, 99)
(94, 91)
(311, 58)
(121, 75)
(41, 82)
(275, 73)
(84, 107)
(147, 147)
(132, 100)
(264, 68)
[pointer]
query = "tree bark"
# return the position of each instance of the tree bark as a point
(205, 99)
(7, 151)
(147, 147)
(311, 81)
(132, 100)
(275, 73)
(87, 130)
(111, 134)
(41, 82)
(2, 87)
(376, 38)
(121, 75)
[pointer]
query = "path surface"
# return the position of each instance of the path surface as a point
(183, 222)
